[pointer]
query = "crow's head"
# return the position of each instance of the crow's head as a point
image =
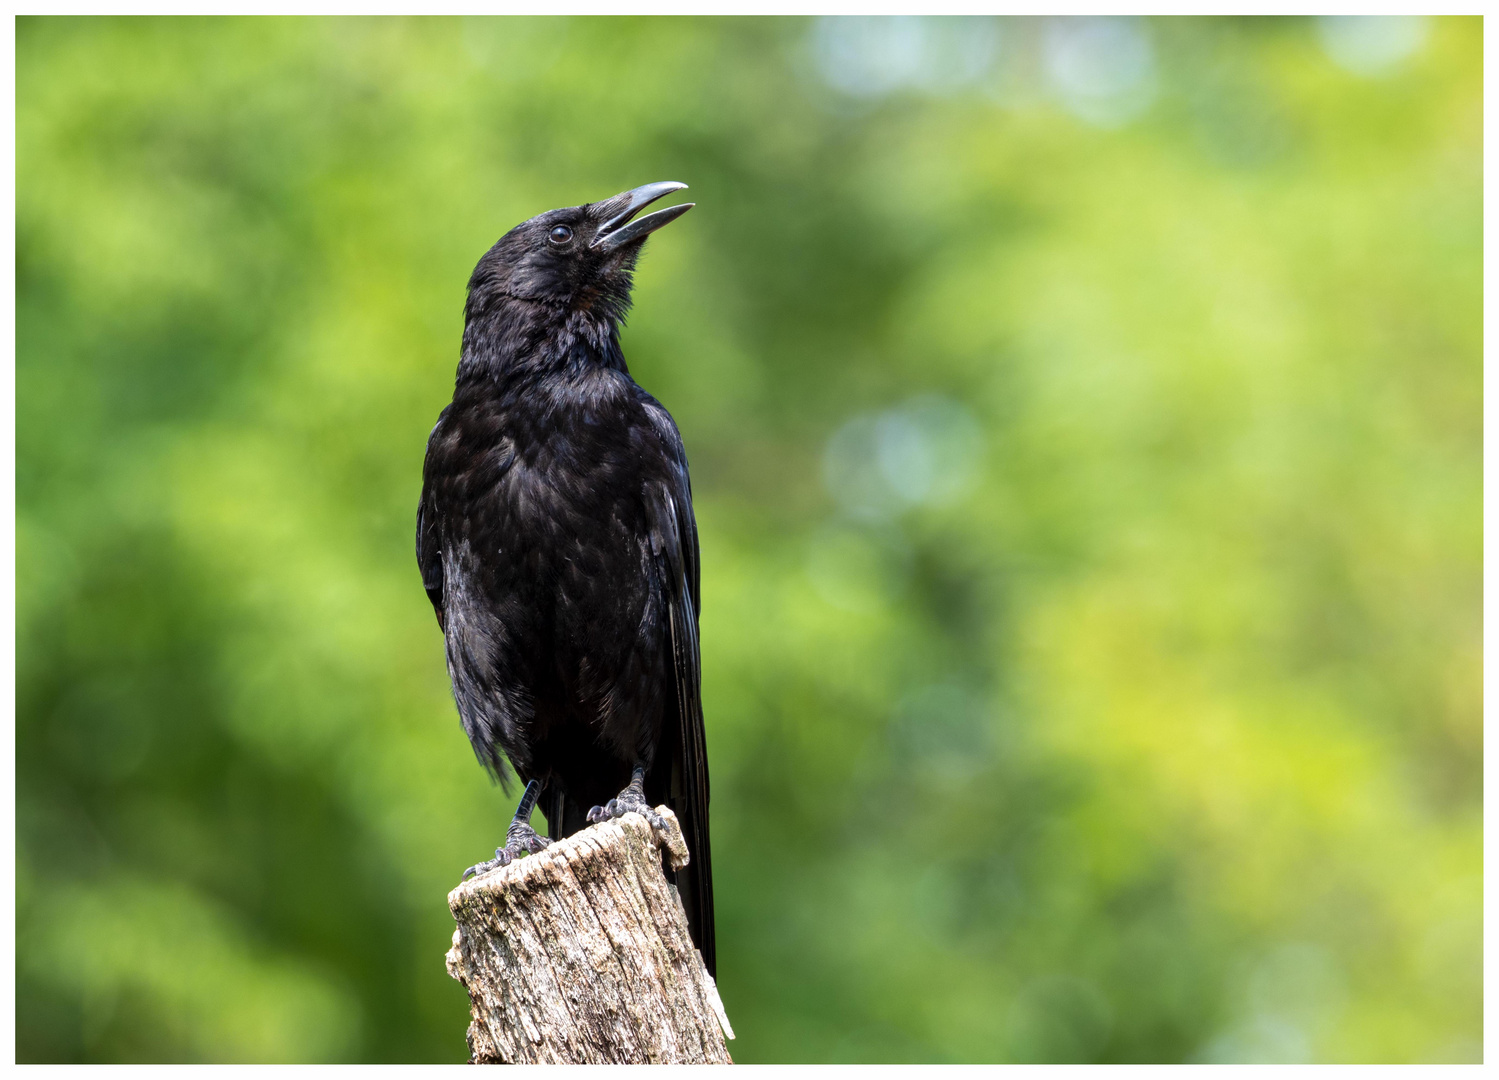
(576, 259)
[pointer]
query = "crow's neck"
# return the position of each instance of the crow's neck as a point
(520, 340)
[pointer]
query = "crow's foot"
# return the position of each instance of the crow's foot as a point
(629, 801)
(520, 840)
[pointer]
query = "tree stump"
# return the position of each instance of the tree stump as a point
(581, 954)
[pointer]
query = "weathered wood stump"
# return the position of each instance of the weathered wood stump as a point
(581, 954)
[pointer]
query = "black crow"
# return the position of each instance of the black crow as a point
(557, 543)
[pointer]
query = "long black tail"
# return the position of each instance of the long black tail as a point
(694, 881)
(688, 792)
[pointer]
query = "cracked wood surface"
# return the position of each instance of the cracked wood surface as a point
(581, 954)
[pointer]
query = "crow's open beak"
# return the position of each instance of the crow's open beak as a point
(618, 230)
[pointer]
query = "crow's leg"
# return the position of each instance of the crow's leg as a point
(629, 801)
(520, 838)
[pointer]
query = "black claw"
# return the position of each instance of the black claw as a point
(629, 801)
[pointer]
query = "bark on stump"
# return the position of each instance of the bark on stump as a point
(581, 954)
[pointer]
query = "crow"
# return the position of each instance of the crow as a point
(557, 543)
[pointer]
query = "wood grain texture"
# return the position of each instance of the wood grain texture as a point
(581, 954)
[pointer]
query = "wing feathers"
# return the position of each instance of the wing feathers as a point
(678, 531)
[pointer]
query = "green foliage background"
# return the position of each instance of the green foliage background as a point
(1154, 736)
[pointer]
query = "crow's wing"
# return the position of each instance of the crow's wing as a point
(674, 534)
(428, 541)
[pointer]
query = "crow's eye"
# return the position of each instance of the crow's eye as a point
(560, 235)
